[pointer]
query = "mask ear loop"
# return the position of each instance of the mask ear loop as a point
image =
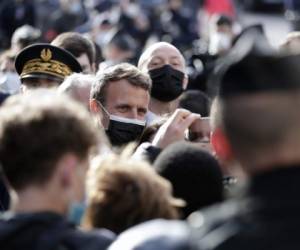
(104, 110)
(102, 107)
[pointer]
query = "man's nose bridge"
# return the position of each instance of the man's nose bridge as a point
(133, 113)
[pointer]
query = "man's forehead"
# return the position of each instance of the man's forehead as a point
(161, 50)
(124, 89)
(166, 50)
(122, 93)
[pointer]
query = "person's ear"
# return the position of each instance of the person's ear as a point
(221, 145)
(100, 115)
(185, 81)
(66, 168)
(94, 106)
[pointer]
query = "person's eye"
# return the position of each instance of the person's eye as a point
(153, 64)
(175, 64)
(142, 112)
(123, 109)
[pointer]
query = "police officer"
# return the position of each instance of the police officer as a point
(44, 65)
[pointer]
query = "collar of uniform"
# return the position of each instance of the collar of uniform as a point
(282, 183)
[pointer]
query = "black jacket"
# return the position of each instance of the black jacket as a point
(45, 231)
(267, 217)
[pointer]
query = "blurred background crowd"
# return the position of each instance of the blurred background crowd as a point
(121, 29)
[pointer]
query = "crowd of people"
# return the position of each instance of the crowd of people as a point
(121, 29)
(115, 135)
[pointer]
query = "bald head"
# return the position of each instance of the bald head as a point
(159, 54)
(166, 67)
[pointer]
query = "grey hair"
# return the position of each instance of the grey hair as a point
(75, 82)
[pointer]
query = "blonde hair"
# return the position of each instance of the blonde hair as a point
(123, 192)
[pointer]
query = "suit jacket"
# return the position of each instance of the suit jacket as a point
(47, 231)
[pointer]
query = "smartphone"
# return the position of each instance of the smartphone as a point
(199, 131)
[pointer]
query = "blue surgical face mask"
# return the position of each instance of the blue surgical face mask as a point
(76, 212)
(121, 131)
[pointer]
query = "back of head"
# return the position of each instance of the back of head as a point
(195, 101)
(258, 95)
(195, 175)
(124, 192)
(78, 86)
(76, 81)
(36, 130)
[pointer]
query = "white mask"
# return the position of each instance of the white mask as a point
(103, 37)
(219, 42)
(10, 82)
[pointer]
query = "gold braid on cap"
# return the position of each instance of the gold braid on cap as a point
(44, 64)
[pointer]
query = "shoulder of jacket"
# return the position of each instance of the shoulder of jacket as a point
(215, 225)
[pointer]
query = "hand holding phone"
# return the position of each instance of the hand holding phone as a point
(174, 128)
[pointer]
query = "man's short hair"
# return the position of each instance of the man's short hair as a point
(36, 130)
(195, 101)
(192, 172)
(257, 105)
(78, 86)
(262, 124)
(119, 72)
(76, 44)
(75, 82)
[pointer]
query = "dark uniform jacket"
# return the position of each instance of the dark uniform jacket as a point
(266, 218)
(45, 231)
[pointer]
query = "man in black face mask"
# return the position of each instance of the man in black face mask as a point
(120, 97)
(166, 67)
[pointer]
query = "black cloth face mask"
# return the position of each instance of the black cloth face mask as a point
(166, 83)
(122, 130)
